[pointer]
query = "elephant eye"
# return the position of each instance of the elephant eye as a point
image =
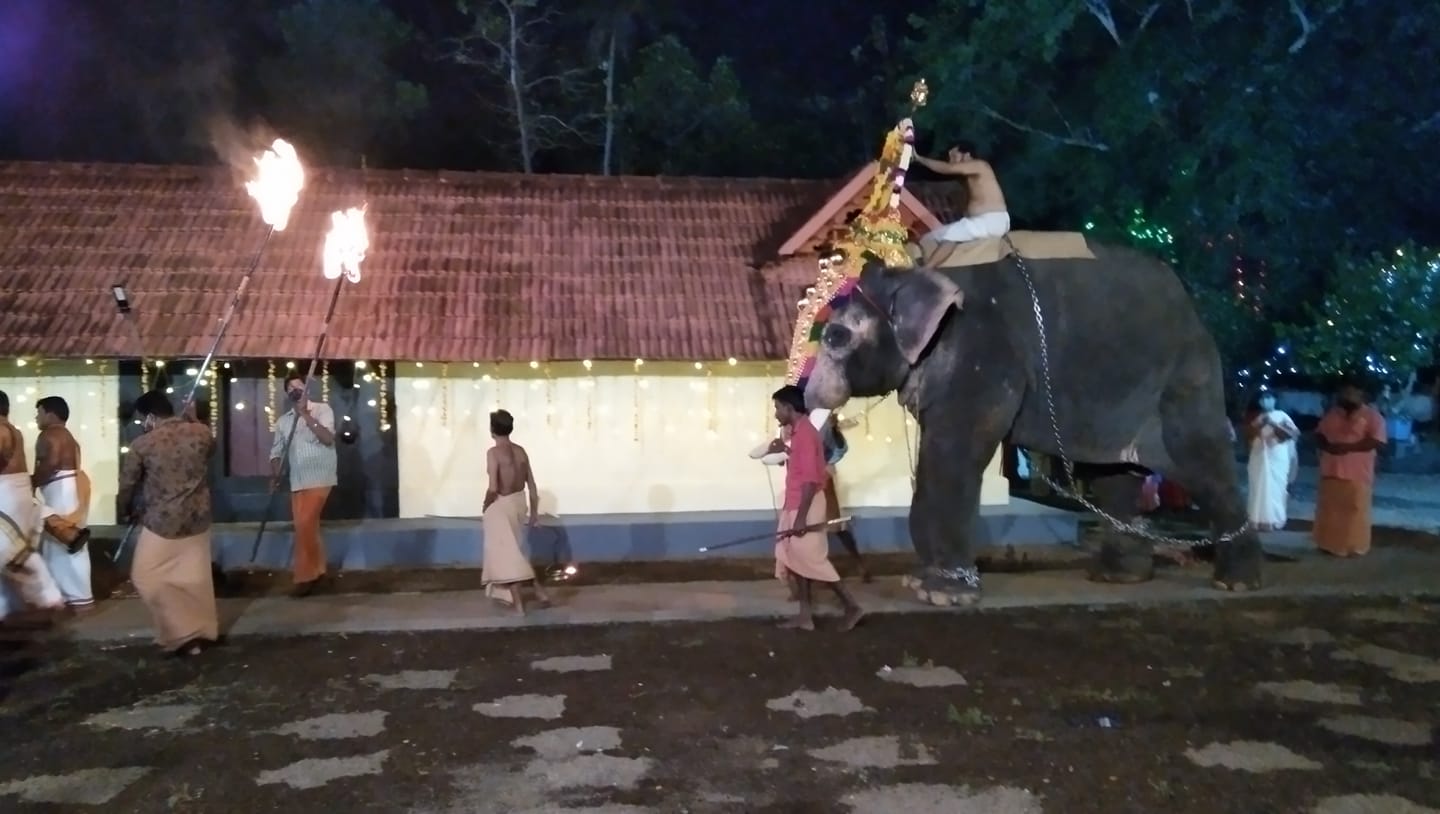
(836, 336)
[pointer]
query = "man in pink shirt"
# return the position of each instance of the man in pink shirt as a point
(801, 551)
(1348, 437)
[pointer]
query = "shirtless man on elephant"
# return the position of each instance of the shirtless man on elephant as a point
(985, 212)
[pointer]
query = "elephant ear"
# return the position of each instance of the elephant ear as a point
(917, 300)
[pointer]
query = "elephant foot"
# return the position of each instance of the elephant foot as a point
(1238, 566)
(913, 580)
(949, 587)
(1122, 562)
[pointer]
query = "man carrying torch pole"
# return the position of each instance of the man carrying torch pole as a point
(311, 464)
(276, 188)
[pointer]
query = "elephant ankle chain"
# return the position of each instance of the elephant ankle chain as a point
(969, 576)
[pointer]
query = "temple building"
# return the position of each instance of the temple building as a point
(635, 327)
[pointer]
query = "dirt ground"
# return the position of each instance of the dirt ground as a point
(1261, 706)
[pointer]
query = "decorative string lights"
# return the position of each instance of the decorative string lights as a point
(445, 394)
(325, 381)
(270, 392)
(384, 401)
(635, 391)
(214, 375)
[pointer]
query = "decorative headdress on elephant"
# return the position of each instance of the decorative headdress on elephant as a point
(876, 232)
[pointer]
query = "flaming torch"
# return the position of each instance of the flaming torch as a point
(276, 187)
(345, 248)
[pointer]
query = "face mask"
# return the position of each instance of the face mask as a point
(148, 424)
(295, 395)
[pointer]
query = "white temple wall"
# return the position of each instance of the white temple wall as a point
(618, 438)
(93, 392)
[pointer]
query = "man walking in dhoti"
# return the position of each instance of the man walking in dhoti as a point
(169, 467)
(64, 491)
(506, 569)
(25, 581)
(801, 551)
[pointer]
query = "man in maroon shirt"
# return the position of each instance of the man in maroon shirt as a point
(802, 551)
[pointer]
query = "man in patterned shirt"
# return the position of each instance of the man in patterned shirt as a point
(312, 475)
(169, 467)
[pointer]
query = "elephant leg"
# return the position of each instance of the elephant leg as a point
(955, 449)
(1121, 557)
(1203, 463)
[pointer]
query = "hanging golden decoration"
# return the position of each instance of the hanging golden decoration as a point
(105, 422)
(713, 422)
(549, 398)
(635, 391)
(384, 406)
(590, 404)
(144, 376)
(445, 394)
(325, 381)
(270, 392)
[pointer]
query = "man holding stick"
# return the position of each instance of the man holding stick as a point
(312, 465)
(169, 466)
(65, 492)
(801, 555)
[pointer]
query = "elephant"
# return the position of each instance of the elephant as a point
(1136, 380)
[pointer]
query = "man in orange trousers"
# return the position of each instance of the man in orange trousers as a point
(312, 465)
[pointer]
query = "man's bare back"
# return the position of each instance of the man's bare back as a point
(509, 469)
(979, 177)
(56, 450)
(12, 450)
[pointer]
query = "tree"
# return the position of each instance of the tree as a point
(678, 122)
(334, 90)
(546, 90)
(616, 24)
(1379, 320)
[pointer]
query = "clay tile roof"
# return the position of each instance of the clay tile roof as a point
(462, 266)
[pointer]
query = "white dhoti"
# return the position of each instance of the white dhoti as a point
(505, 562)
(68, 495)
(974, 227)
(25, 581)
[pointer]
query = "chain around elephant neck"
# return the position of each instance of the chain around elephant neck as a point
(1069, 466)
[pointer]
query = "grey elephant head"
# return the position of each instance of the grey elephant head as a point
(871, 343)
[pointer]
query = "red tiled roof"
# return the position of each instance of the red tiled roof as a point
(462, 266)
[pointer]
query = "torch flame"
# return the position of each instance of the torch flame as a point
(278, 181)
(346, 244)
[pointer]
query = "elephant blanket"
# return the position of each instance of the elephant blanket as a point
(1031, 245)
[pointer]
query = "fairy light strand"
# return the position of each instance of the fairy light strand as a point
(214, 398)
(270, 392)
(384, 403)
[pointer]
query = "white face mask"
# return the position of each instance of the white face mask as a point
(148, 424)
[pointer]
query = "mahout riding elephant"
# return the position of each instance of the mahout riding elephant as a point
(1136, 380)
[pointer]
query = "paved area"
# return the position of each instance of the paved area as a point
(1388, 570)
(1322, 706)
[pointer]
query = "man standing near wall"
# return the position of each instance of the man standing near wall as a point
(1349, 435)
(65, 491)
(312, 467)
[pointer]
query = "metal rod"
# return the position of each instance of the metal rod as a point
(775, 535)
(129, 319)
(309, 375)
(225, 321)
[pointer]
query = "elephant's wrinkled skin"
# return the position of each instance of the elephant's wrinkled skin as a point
(1136, 380)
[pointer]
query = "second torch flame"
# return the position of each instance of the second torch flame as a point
(345, 244)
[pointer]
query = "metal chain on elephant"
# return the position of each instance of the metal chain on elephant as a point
(1069, 466)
